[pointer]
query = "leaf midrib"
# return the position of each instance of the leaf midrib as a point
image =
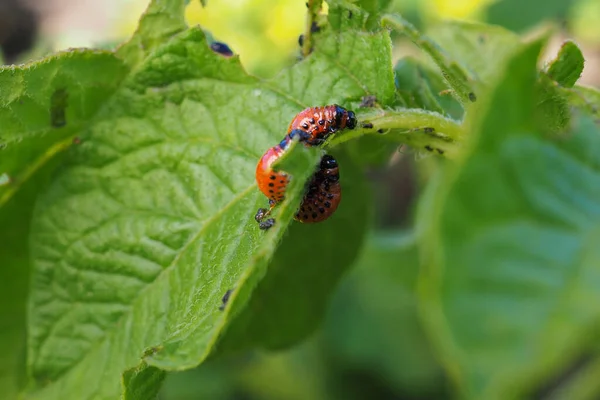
(209, 222)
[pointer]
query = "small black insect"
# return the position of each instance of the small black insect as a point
(225, 299)
(221, 48)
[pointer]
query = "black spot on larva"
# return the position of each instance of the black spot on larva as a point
(273, 177)
(321, 210)
(305, 216)
(309, 208)
(282, 181)
(321, 122)
(323, 194)
(327, 204)
(305, 125)
(271, 184)
(330, 196)
(271, 191)
(58, 108)
(312, 121)
(314, 215)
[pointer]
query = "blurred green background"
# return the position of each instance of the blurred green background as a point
(371, 344)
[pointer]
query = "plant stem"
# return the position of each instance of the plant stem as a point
(314, 6)
(415, 127)
(452, 73)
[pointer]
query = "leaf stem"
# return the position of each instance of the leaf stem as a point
(314, 6)
(452, 73)
(415, 127)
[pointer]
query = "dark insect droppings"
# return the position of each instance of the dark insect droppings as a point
(472, 97)
(367, 125)
(267, 224)
(58, 108)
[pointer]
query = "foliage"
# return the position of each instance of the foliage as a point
(127, 201)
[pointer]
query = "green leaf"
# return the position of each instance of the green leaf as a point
(142, 382)
(586, 99)
(304, 270)
(455, 77)
(567, 67)
(15, 218)
(480, 50)
(518, 16)
(375, 8)
(162, 20)
(421, 87)
(553, 110)
(373, 322)
(338, 67)
(509, 245)
(44, 104)
(152, 220)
